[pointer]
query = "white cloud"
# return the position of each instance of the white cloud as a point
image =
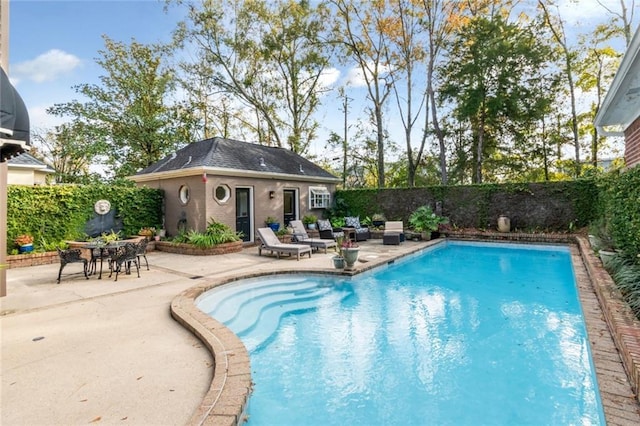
(328, 78)
(355, 76)
(47, 67)
(583, 11)
(42, 121)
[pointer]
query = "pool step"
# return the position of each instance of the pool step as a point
(223, 303)
(258, 310)
(267, 322)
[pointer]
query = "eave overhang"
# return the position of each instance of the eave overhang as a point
(621, 105)
(217, 171)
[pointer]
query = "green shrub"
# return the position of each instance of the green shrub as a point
(620, 209)
(216, 233)
(53, 214)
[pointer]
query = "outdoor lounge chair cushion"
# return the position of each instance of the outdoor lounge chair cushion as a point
(393, 228)
(271, 242)
(301, 237)
(362, 232)
(327, 231)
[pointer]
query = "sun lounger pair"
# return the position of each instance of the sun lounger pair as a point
(300, 236)
(271, 242)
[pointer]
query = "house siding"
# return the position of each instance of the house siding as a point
(632, 144)
(202, 204)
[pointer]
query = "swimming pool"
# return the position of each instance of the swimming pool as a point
(463, 334)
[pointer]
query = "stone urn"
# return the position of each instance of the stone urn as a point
(350, 256)
(606, 256)
(504, 224)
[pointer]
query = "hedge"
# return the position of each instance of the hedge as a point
(620, 210)
(56, 213)
(532, 207)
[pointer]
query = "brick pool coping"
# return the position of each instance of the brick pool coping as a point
(613, 330)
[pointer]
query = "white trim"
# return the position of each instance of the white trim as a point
(321, 192)
(218, 171)
(251, 212)
(43, 168)
(617, 92)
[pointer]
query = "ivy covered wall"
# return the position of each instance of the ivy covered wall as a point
(553, 206)
(52, 214)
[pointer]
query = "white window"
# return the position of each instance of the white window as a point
(319, 197)
(183, 193)
(222, 193)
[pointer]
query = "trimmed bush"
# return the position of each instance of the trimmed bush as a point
(59, 212)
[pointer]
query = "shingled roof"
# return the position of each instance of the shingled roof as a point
(27, 160)
(218, 154)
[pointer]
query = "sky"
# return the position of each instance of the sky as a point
(53, 45)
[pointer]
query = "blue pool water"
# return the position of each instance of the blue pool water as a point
(462, 334)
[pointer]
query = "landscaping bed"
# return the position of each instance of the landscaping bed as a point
(190, 249)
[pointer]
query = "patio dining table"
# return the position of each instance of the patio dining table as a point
(104, 248)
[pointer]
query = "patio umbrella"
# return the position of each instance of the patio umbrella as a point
(14, 119)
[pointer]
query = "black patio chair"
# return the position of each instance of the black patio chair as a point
(142, 251)
(123, 258)
(103, 254)
(72, 256)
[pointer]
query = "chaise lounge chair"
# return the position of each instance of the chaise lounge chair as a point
(301, 237)
(393, 233)
(271, 242)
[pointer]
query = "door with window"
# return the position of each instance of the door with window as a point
(290, 205)
(243, 212)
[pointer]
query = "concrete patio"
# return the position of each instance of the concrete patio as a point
(99, 351)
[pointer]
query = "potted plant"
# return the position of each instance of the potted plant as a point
(147, 231)
(350, 251)
(378, 220)
(272, 223)
(24, 243)
(425, 221)
(310, 220)
(284, 235)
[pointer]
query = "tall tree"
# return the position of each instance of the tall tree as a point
(556, 26)
(405, 54)
(493, 80)
(70, 150)
(268, 56)
(624, 16)
(440, 21)
(129, 111)
(595, 71)
(362, 34)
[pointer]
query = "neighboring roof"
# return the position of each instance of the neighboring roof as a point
(621, 105)
(234, 158)
(28, 161)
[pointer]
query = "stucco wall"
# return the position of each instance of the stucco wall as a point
(203, 205)
(24, 176)
(632, 144)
